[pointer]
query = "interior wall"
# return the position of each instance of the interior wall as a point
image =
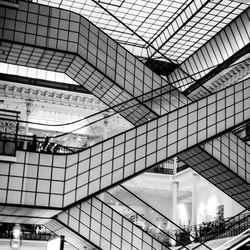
(184, 211)
(209, 198)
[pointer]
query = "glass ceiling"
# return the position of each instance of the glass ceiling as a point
(157, 29)
(153, 29)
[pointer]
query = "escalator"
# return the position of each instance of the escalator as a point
(83, 174)
(58, 182)
(223, 234)
(240, 242)
(139, 100)
(95, 225)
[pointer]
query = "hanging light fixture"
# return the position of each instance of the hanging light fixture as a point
(16, 238)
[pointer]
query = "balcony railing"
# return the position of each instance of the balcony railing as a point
(43, 146)
(217, 229)
(28, 232)
(169, 169)
(9, 122)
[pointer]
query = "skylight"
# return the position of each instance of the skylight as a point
(156, 29)
(35, 73)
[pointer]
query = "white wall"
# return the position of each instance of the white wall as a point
(184, 211)
(209, 197)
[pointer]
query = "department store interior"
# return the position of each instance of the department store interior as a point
(124, 125)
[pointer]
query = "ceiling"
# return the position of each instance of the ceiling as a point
(159, 29)
(155, 31)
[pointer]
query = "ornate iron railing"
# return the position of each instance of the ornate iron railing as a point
(9, 122)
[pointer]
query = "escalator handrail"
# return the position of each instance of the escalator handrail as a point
(214, 229)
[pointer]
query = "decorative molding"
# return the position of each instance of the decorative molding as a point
(224, 79)
(54, 96)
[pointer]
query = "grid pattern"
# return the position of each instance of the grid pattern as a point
(22, 55)
(35, 73)
(231, 39)
(32, 180)
(106, 228)
(207, 19)
(109, 92)
(232, 152)
(38, 179)
(144, 18)
(101, 65)
(142, 24)
(218, 174)
(132, 152)
(76, 240)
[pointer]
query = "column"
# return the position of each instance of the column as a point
(174, 211)
(175, 166)
(194, 199)
(27, 118)
(175, 201)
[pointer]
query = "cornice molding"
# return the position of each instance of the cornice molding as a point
(224, 79)
(47, 95)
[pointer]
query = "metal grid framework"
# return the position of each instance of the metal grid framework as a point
(219, 175)
(106, 228)
(175, 29)
(37, 179)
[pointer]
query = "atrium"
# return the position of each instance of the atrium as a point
(125, 124)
